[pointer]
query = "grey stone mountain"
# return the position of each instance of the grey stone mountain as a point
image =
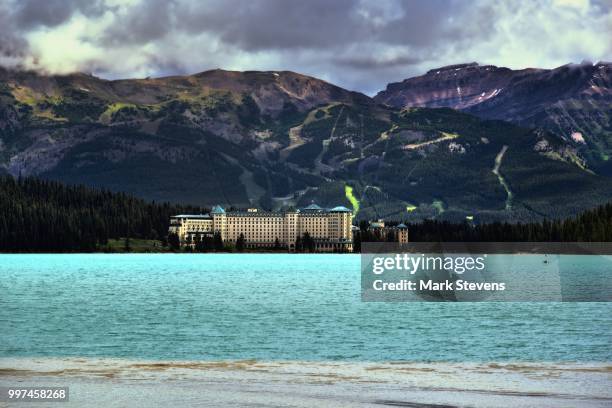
(277, 139)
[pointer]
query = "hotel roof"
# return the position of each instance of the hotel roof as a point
(312, 207)
(217, 209)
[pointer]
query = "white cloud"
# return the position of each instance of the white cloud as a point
(355, 43)
(544, 34)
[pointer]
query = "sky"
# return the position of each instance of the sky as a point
(358, 44)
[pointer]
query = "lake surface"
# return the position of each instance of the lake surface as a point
(267, 307)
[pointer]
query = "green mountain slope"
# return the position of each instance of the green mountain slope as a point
(276, 139)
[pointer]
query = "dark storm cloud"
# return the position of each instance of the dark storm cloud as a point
(10, 44)
(282, 24)
(340, 30)
(368, 63)
(146, 21)
(50, 13)
(275, 24)
(359, 44)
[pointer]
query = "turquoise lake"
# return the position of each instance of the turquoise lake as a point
(267, 307)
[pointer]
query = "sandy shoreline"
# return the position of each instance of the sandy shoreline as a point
(123, 383)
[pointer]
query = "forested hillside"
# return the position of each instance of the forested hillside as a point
(591, 226)
(274, 139)
(46, 216)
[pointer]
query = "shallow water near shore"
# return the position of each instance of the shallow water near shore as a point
(154, 383)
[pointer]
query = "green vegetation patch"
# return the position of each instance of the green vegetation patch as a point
(134, 245)
(438, 205)
(348, 191)
(106, 116)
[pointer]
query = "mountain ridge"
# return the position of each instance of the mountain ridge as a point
(573, 100)
(279, 138)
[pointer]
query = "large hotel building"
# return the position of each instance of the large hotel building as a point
(329, 228)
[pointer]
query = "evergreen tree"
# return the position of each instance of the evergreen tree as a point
(46, 216)
(218, 242)
(307, 242)
(173, 241)
(240, 243)
(200, 245)
(357, 241)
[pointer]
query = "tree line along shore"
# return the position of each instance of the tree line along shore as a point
(47, 216)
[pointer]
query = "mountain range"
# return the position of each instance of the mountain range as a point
(472, 142)
(574, 101)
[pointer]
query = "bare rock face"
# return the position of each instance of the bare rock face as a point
(501, 93)
(455, 86)
(568, 100)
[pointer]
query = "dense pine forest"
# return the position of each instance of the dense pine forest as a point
(590, 226)
(46, 216)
